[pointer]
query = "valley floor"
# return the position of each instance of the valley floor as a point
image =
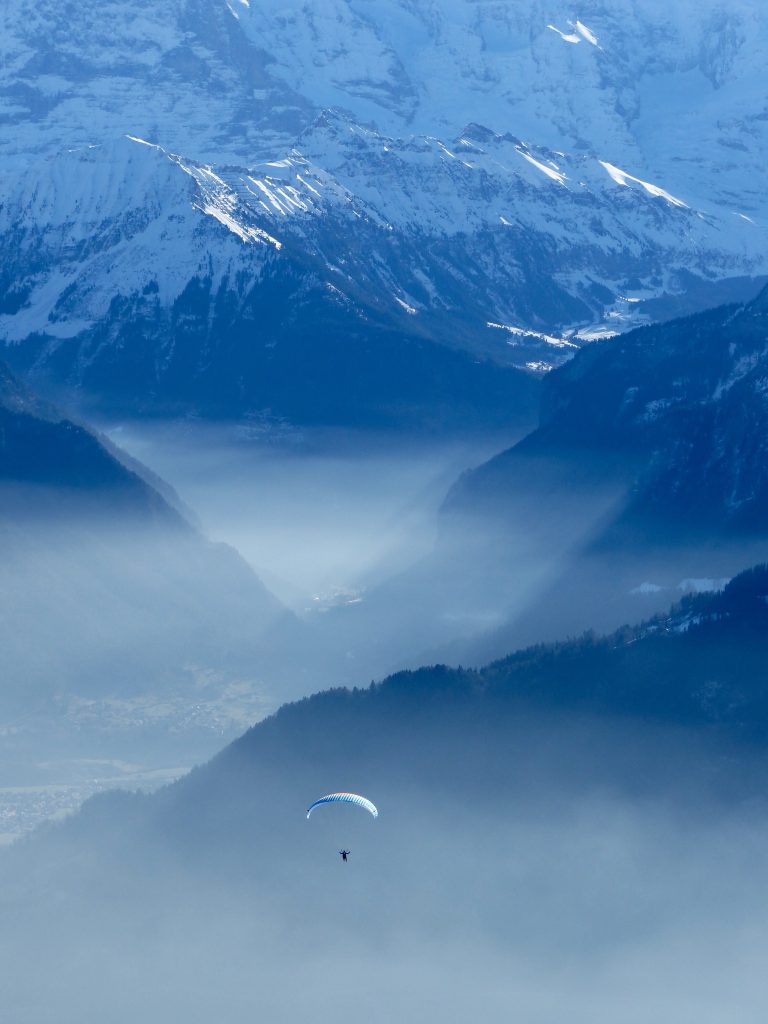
(69, 783)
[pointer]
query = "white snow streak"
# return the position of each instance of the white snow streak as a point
(580, 33)
(622, 178)
(585, 33)
(521, 332)
(568, 37)
(549, 171)
(306, 184)
(244, 233)
(143, 142)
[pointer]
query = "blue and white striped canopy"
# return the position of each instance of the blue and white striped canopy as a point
(345, 798)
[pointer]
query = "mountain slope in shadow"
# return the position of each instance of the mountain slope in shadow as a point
(118, 619)
(648, 475)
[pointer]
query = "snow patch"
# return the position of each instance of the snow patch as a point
(623, 178)
(654, 409)
(244, 233)
(585, 33)
(596, 332)
(274, 198)
(685, 624)
(142, 142)
(579, 33)
(569, 37)
(523, 333)
(549, 171)
(306, 184)
(743, 366)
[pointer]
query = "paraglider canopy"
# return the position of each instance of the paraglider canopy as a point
(345, 798)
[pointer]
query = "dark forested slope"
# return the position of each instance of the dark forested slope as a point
(676, 412)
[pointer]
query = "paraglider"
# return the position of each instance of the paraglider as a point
(345, 798)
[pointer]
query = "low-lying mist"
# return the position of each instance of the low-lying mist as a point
(136, 644)
(392, 563)
(321, 515)
(129, 647)
(592, 875)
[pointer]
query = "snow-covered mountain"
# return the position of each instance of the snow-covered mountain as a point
(203, 197)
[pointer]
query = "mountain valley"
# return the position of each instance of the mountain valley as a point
(383, 511)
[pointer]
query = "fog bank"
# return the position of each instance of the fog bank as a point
(320, 514)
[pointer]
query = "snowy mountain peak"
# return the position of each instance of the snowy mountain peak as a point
(564, 172)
